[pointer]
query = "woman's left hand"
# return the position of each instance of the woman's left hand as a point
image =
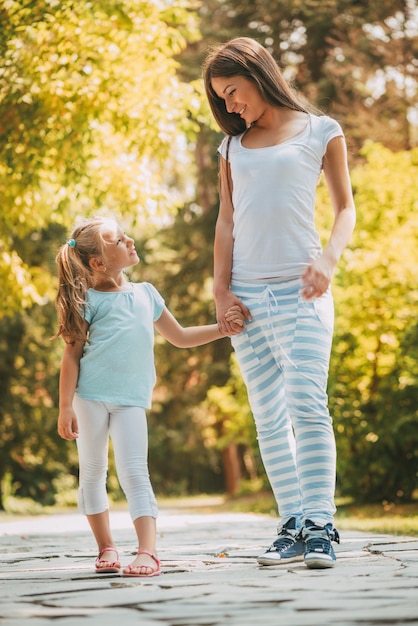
(316, 278)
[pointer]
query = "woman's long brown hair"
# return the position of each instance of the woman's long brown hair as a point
(244, 56)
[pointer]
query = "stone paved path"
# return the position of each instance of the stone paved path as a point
(210, 577)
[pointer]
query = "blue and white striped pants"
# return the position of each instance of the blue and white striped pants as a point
(283, 355)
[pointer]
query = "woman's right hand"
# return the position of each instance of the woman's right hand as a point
(223, 304)
(67, 424)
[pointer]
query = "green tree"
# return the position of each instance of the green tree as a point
(31, 453)
(356, 60)
(373, 390)
(92, 116)
(228, 426)
(95, 112)
(177, 262)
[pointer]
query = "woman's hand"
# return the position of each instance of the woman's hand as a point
(231, 314)
(317, 278)
(67, 424)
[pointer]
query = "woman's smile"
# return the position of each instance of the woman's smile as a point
(241, 97)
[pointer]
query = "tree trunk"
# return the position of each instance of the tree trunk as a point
(1, 493)
(232, 468)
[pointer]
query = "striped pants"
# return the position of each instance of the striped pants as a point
(283, 355)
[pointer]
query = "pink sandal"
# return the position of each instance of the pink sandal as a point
(107, 567)
(154, 572)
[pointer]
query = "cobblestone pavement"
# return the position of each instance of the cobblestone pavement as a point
(210, 577)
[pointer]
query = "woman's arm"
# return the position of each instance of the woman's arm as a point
(192, 336)
(223, 247)
(318, 275)
(70, 367)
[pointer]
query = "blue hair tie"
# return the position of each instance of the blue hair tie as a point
(72, 243)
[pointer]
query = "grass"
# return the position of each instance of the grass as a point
(386, 518)
(392, 519)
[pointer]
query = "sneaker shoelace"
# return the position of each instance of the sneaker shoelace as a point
(322, 542)
(319, 544)
(284, 540)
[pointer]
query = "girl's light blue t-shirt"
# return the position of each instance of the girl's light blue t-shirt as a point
(117, 364)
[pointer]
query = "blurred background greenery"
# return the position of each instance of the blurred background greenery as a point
(102, 111)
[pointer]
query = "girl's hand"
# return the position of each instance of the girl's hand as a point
(317, 278)
(234, 315)
(225, 304)
(67, 424)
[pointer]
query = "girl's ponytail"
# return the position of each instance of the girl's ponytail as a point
(76, 277)
(74, 280)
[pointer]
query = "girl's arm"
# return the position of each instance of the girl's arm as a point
(192, 336)
(318, 275)
(70, 367)
(223, 246)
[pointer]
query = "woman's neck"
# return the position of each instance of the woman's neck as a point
(276, 126)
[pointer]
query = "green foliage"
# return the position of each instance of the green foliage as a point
(92, 116)
(226, 415)
(31, 454)
(225, 419)
(373, 383)
(178, 261)
(101, 106)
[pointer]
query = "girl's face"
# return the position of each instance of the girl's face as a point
(119, 250)
(241, 96)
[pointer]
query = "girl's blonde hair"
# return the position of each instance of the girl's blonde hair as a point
(76, 276)
(244, 56)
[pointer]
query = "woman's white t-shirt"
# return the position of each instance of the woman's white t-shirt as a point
(274, 192)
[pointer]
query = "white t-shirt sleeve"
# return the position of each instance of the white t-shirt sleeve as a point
(222, 147)
(330, 129)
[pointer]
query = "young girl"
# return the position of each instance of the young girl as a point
(107, 377)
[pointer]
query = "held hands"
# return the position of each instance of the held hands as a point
(317, 278)
(67, 424)
(234, 317)
(231, 314)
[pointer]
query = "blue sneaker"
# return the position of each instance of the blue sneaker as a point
(319, 553)
(288, 546)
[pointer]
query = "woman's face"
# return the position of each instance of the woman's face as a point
(241, 96)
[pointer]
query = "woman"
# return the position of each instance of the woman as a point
(268, 259)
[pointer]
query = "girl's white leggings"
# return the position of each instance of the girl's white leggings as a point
(127, 427)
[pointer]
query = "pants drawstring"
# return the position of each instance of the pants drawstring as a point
(268, 299)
